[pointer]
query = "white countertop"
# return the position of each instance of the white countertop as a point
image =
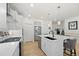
(7, 49)
(5, 37)
(58, 36)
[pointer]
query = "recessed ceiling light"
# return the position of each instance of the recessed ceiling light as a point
(31, 5)
(29, 15)
(59, 22)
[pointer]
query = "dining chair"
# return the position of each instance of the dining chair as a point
(70, 45)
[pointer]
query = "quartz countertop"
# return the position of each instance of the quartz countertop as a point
(57, 36)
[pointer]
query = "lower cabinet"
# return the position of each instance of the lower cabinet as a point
(52, 47)
(43, 44)
(16, 52)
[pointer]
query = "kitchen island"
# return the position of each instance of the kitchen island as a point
(53, 47)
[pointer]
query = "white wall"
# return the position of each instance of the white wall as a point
(45, 26)
(74, 33)
(28, 30)
(71, 32)
(3, 17)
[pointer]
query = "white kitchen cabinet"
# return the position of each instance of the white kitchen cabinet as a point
(48, 47)
(16, 52)
(43, 44)
(9, 49)
(55, 48)
(52, 47)
(2, 16)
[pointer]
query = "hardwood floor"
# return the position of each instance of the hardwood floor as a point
(77, 49)
(32, 49)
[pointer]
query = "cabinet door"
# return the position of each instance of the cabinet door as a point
(2, 16)
(43, 44)
(16, 52)
(52, 47)
(48, 47)
(56, 48)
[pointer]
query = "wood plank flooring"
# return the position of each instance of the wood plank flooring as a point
(32, 49)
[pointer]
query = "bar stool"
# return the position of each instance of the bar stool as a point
(70, 45)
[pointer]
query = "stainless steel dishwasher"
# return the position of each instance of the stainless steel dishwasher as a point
(39, 42)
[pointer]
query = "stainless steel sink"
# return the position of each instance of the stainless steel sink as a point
(12, 39)
(51, 38)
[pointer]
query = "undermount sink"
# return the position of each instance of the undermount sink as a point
(51, 38)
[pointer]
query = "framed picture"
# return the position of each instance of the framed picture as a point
(73, 25)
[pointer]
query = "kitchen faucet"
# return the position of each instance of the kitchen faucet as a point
(52, 33)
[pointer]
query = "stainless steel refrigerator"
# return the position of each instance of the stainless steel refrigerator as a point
(37, 31)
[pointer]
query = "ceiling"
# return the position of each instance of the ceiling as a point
(46, 11)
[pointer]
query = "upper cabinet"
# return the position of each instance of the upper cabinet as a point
(3, 16)
(14, 18)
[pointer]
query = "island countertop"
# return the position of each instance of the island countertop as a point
(57, 36)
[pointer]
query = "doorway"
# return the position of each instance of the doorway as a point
(37, 31)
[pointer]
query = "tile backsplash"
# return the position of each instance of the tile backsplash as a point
(2, 33)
